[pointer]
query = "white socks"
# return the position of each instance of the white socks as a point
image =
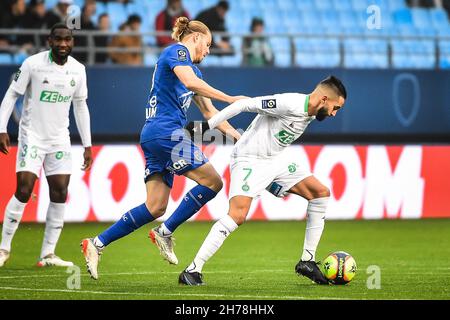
(315, 222)
(163, 231)
(98, 243)
(219, 232)
(53, 227)
(13, 215)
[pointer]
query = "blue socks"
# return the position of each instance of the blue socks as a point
(130, 221)
(193, 201)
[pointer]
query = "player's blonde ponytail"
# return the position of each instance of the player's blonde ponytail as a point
(184, 27)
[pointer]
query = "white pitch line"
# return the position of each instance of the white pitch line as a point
(184, 294)
(139, 273)
(177, 272)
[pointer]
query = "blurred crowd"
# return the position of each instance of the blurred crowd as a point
(17, 14)
(128, 47)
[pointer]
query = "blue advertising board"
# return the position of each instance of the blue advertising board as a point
(379, 103)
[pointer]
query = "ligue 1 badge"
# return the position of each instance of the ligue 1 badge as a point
(181, 55)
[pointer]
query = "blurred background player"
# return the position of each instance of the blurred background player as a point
(214, 18)
(168, 151)
(59, 13)
(256, 48)
(165, 20)
(133, 24)
(258, 163)
(50, 81)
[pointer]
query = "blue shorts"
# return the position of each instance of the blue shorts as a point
(168, 157)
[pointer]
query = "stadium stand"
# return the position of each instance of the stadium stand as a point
(311, 33)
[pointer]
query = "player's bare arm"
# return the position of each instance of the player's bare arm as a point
(208, 110)
(200, 87)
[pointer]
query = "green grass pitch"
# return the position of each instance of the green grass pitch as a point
(256, 262)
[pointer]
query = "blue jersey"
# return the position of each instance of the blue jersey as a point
(169, 98)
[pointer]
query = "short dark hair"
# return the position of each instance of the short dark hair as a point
(134, 18)
(336, 85)
(57, 26)
(256, 21)
(34, 3)
(101, 16)
(224, 5)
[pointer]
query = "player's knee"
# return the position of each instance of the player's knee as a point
(215, 183)
(322, 192)
(238, 214)
(156, 210)
(218, 185)
(23, 193)
(58, 195)
(239, 218)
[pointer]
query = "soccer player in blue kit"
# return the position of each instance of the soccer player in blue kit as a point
(168, 151)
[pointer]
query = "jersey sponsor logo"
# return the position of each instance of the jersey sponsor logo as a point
(179, 165)
(185, 100)
(269, 104)
(150, 111)
(285, 137)
(17, 75)
(53, 97)
(182, 55)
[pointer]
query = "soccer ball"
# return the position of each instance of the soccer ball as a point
(339, 267)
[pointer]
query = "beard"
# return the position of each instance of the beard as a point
(61, 56)
(321, 114)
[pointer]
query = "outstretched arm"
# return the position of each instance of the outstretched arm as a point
(200, 87)
(208, 110)
(267, 105)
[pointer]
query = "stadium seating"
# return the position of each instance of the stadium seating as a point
(5, 58)
(418, 54)
(317, 52)
(444, 59)
(409, 33)
(365, 53)
(150, 59)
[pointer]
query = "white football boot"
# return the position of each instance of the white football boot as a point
(92, 256)
(164, 244)
(4, 256)
(52, 260)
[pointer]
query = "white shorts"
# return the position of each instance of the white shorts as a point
(31, 157)
(251, 176)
